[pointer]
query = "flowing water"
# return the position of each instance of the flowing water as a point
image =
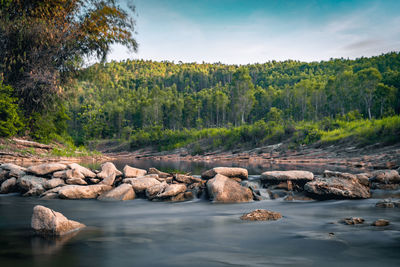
(200, 233)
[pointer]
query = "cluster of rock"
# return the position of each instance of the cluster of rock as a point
(220, 184)
(358, 220)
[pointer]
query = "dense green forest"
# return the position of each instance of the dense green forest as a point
(147, 101)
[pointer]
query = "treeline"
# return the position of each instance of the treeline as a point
(120, 99)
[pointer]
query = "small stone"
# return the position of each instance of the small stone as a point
(386, 203)
(353, 220)
(381, 222)
(261, 215)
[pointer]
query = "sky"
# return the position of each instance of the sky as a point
(256, 31)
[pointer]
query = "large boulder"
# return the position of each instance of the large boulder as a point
(225, 190)
(77, 181)
(50, 222)
(8, 185)
(336, 188)
(152, 192)
(74, 174)
(85, 171)
(186, 179)
(159, 173)
(385, 177)
(172, 190)
(46, 168)
(82, 191)
(120, 193)
(280, 176)
(14, 170)
(107, 169)
(130, 172)
(29, 182)
(52, 183)
(109, 180)
(227, 172)
(140, 184)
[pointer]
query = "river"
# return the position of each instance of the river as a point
(200, 233)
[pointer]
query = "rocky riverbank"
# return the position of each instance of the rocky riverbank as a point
(220, 184)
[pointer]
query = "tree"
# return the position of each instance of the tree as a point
(368, 80)
(43, 42)
(242, 95)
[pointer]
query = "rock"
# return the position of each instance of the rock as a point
(109, 180)
(186, 179)
(46, 168)
(141, 184)
(344, 175)
(336, 188)
(107, 169)
(353, 220)
(159, 173)
(82, 191)
(227, 172)
(185, 196)
(29, 182)
(261, 215)
(74, 174)
(50, 222)
(387, 203)
(14, 170)
(51, 192)
(225, 190)
(130, 172)
(3, 175)
(280, 176)
(172, 190)
(94, 180)
(120, 193)
(386, 177)
(77, 181)
(381, 222)
(52, 183)
(84, 171)
(60, 174)
(153, 191)
(8, 185)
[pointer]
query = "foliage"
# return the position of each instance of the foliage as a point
(43, 43)
(10, 120)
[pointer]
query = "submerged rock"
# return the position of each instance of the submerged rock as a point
(353, 220)
(120, 193)
(108, 169)
(227, 172)
(50, 222)
(225, 190)
(130, 172)
(336, 188)
(381, 222)
(387, 203)
(261, 215)
(82, 191)
(46, 168)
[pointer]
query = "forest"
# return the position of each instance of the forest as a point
(151, 103)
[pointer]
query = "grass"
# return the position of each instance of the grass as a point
(327, 131)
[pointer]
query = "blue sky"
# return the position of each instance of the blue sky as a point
(250, 31)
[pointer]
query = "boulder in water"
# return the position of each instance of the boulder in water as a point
(140, 184)
(130, 172)
(50, 222)
(119, 193)
(46, 168)
(52, 183)
(8, 185)
(336, 188)
(280, 176)
(84, 171)
(261, 215)
(381, 222)
(229, 172)
(82, 191)
(353, 220)
(107, 169)
(225, 190)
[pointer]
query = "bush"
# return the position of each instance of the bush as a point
(10, 120)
